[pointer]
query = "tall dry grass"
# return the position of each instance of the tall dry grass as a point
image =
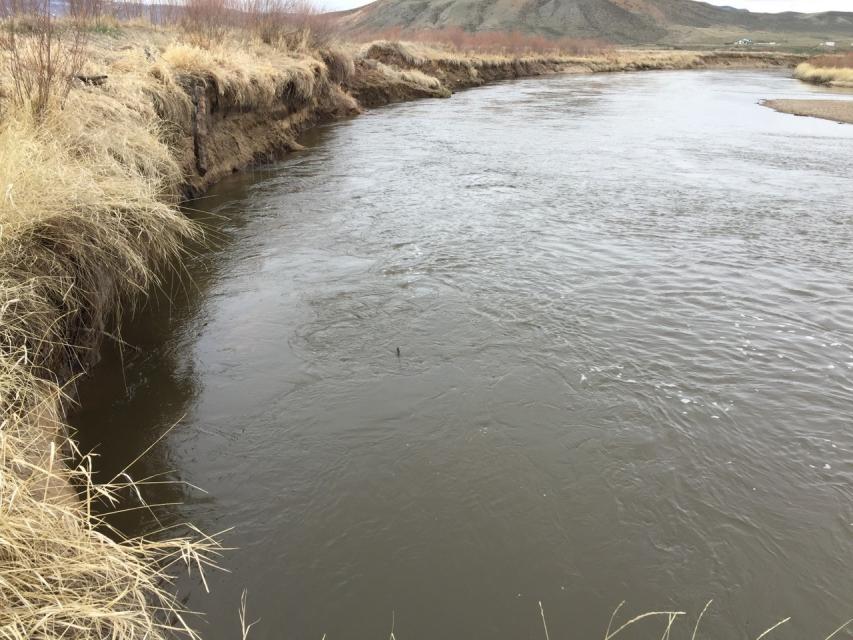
(84, 225)
(88, 185)
(42, 54)
(669, 620)
(88, 224)
(296, 25)
(827, 69)
(64, 572)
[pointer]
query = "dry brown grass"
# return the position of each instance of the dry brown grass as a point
(64, 572)
(669, 621)
(247, 80)
(832, 70)
(85, 225)
(88, 224)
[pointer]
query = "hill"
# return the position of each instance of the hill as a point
(620, 21)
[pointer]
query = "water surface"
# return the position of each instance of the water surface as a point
(624, 310)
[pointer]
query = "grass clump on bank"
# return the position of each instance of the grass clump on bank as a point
(99, 138)
(64, 573)
(834, 70)
(87, 221)
(88, 188)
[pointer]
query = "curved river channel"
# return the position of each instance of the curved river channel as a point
(624, 310)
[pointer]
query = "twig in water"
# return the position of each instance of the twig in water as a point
(699, 619)
(544, 625)
(645, 615)
(244, 628)
(778, 624)
(668, 629)
(612, 615)
(841, 628)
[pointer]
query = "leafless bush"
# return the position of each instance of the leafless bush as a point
(165, 13)
(206, 21)
(292, 24)
(295, 24)
(265, 18)
(128, 10)
(311, 28)
(86, 10)
(43, 54)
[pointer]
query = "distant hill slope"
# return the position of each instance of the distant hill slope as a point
(619, 21)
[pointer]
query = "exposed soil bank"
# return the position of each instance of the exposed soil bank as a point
(837, 110)
(230, 138)
(89, 220)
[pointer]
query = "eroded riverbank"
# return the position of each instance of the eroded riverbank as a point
(388, 72)
(623, 367)
(90, 225)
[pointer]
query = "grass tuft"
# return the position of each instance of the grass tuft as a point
(834, 70)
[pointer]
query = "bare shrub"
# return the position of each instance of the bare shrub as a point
(318, 29)
(167, 13)
(43, 54)
(267, 19)
(86, 10)
(297, 25)
(127, 11)
(206, 21)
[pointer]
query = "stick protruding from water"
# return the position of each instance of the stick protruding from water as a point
(544, 624)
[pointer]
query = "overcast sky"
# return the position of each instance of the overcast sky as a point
(752, 5)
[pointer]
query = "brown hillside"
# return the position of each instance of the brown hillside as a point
(619, 21)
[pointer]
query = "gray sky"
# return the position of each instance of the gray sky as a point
(752, 5)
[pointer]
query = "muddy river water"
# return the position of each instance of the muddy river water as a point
(624, 312)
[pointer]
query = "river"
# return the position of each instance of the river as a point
(624, 312)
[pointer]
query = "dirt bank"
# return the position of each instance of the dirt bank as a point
(231, 137)
(837, 110)
(90, 223)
